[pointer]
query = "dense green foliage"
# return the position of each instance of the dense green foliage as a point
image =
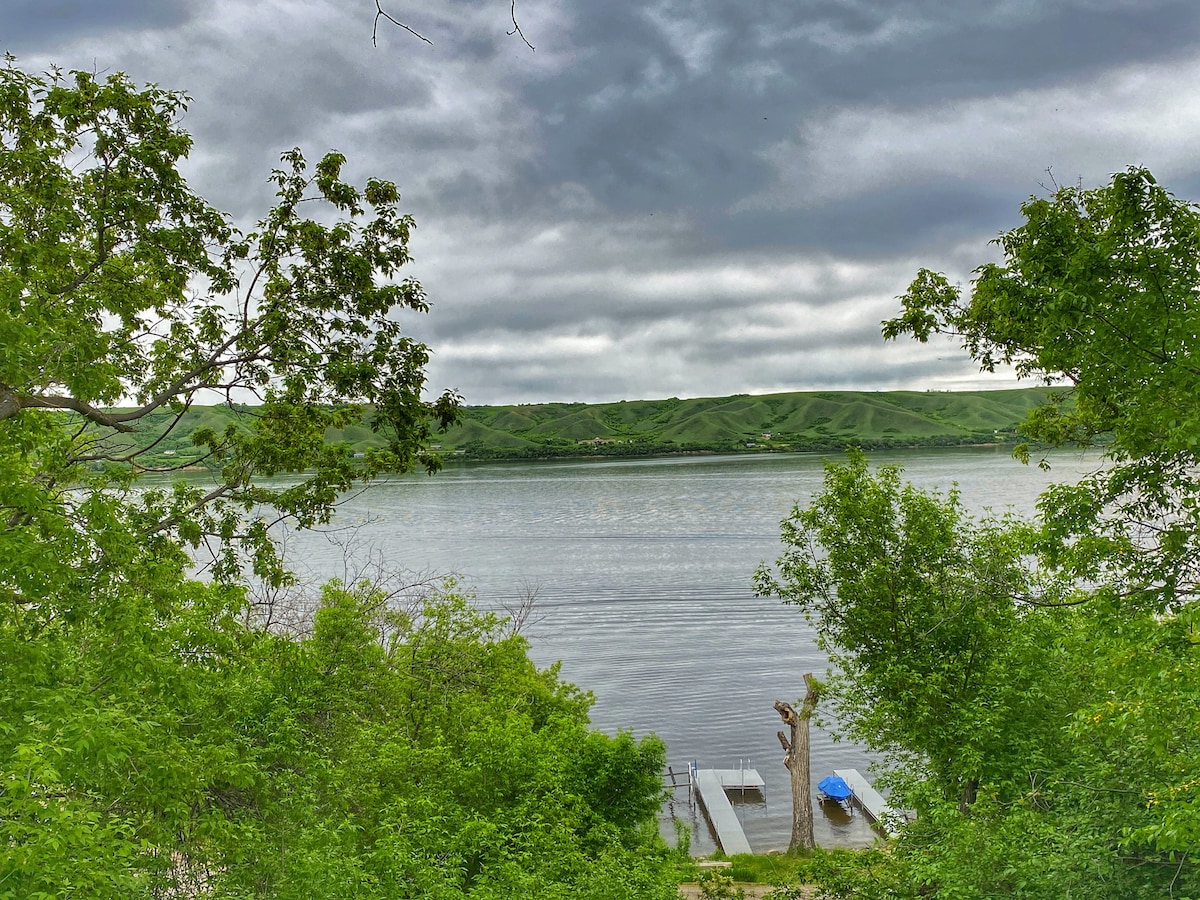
(829, 420)
(160, 734)
(391, 753)
(1034, 685)
(904, 575)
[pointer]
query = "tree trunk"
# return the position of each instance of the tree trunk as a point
(795, 758)
(970, 793)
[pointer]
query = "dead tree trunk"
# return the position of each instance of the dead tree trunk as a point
(795, 758)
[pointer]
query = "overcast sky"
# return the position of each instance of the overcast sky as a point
(672, 198)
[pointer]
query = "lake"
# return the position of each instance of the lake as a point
(643, 571)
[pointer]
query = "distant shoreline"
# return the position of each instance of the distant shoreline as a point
(459, 458)
(799, 422)
(815, 421)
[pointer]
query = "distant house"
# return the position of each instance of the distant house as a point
(597, 440)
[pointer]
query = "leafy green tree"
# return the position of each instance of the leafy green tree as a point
(1058, 667)
(1098, 290)
(916, 606)
(425, 755)
(1044, 736)
(120, 285)
(156, 738)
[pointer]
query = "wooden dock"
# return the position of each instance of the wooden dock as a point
(711, 786)
(870, 799)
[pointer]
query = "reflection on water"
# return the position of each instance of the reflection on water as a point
(844, 828)
(766, 816)
(643, 572)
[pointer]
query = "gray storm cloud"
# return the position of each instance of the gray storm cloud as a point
(686, 199)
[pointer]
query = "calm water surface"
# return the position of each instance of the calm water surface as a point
(643, 574)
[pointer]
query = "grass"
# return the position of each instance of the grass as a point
(774, 868)
(753, 868)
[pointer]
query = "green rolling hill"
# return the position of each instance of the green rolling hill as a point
(824, 420)
(793, 421)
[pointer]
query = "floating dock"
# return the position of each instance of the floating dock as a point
(870, 799)
(711, 786)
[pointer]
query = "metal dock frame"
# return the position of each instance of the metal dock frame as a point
(711, 785)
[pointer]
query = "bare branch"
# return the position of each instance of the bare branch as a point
(516, 27)
(138, 451)
(181, 384)
(380, 14)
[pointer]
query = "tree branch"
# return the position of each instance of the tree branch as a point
(380, 14)
(516, 27)
(219, 491)
(12, 403)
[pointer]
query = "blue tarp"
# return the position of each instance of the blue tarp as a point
(834, 787)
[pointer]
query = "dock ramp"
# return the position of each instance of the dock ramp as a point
(870, 799)
(711, 786)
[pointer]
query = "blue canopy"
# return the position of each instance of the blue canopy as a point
(834, 787)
